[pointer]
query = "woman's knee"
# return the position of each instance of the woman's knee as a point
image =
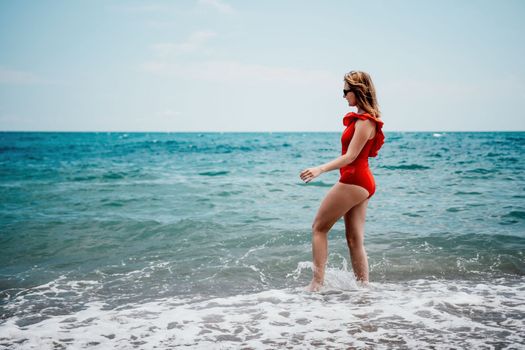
(320, 226)
(354, 238)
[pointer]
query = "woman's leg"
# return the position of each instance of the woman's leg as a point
(338, 201)
(355, 236)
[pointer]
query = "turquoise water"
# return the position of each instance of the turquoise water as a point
(176, 225)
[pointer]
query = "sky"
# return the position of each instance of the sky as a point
(242, 66)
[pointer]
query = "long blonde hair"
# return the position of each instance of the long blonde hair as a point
(364, 90)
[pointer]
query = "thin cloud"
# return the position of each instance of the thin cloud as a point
(142, 8)
(167, 113)
(195, 42)
(161, 24)
(235, 71)
(218, 5)
(18, 77)
(168, 62)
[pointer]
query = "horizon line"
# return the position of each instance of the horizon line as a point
(218, 132)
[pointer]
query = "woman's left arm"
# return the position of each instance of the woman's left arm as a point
(363, 130)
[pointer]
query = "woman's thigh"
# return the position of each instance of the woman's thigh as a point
(355, 223)
(339, 200)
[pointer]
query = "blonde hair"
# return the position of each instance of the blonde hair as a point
(365, 93)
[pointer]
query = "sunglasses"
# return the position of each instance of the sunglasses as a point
(345, 91)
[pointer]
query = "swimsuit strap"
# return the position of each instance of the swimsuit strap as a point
(379, 138)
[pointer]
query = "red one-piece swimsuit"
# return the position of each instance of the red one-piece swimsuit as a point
(358, 172)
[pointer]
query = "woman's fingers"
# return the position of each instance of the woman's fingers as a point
(306, 175)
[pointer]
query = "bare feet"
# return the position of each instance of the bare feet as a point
(362, 283)
(314, 286)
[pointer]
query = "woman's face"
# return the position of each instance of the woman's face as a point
(350, 97)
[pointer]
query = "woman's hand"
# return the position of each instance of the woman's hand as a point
(309, 174)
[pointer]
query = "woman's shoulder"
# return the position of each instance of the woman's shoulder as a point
(361, 116)
(379, 137)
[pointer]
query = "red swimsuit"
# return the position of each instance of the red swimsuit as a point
(358, 172)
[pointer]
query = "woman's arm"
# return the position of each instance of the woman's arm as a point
(363, 130)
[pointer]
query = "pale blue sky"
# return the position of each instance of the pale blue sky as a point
(221, 65)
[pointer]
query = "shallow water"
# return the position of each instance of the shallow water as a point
(203, 240)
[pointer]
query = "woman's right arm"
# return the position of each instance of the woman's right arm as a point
(363, 130)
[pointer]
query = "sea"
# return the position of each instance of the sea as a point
(145, 240)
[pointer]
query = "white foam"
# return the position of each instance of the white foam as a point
(414, 314)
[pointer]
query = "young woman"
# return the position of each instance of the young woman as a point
(362, 138)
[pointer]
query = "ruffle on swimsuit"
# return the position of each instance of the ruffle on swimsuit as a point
(379, 138)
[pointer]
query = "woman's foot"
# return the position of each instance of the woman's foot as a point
(314, 286)
(363, 283)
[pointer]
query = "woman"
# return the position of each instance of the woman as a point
(362, 138)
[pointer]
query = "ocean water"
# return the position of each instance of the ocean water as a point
(203, 241)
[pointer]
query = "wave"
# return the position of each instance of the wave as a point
(515, 214)
(214, 173)
(405, 167)
(467, 193)
(318, 184)
(418, 314)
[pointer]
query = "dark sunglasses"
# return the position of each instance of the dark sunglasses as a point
(345, 92)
